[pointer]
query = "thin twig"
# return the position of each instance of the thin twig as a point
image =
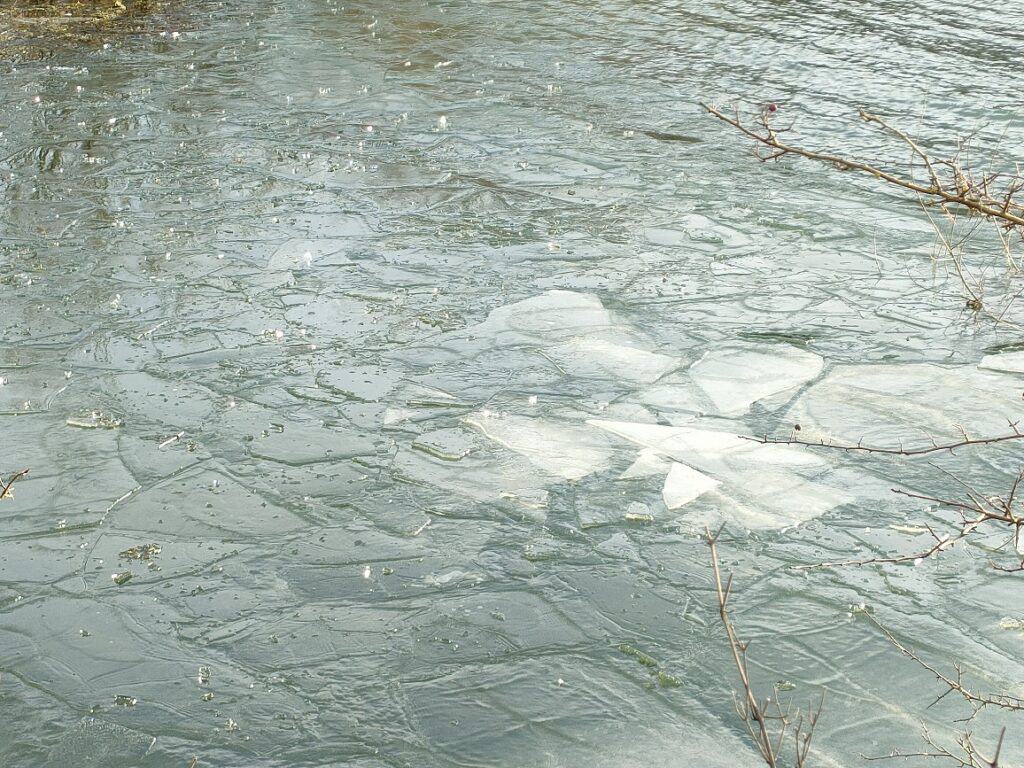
(975, 511)
(754, 714)
(971, 756)
(5, 488)
(969, 194)
(942, 543)
(977, 700)
(1016, 434)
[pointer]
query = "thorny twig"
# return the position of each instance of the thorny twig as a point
(970, 757)
(978, 701)
(1014, 434)
(761, 718)
(952, 185)
(975, 510)
(941, 544)
(954, 246)
(5, 488)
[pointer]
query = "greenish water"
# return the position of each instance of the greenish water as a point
(361, 312)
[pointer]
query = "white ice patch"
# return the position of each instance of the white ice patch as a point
(676, 393)
(683, 484)
(736, 376)
(553, 315)
(887, 404)
(591, 357)
(565, 450)
(728, 380)
(709, 447)
(1009, 362)
(575, 332)
(479, 476)
(647, 464)
(762, 486)
(778, 499)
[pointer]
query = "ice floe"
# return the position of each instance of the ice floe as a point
(1008, 362)
(567, 450)
(551, 316)
(591, 357)
(575, 332)
(563, 333)
(479, 476)
(761, 486)
(683, 484)
(886, 404)
(709, 447)
(726, 381)
(735, 377)
(647, 464)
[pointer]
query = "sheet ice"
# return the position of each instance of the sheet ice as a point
(884, 404)
(1009, 362)
(728, 380)
(761, 486)
(567, 450)
(683, 484)
(575, 332)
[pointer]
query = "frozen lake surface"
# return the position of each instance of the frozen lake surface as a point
(422, 340)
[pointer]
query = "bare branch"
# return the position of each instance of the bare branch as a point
(977, 700)
(969, 757)
(761, 718)
(942, 543)
(1016, 434)
(5, 488)
(960, 189)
